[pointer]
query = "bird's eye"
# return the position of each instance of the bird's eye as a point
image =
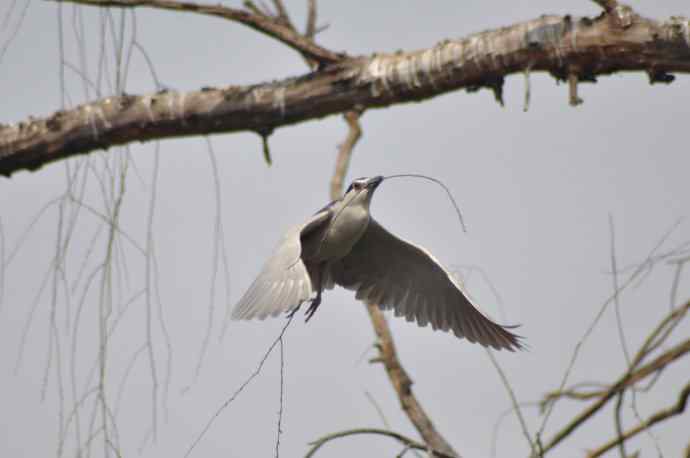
(356, 185)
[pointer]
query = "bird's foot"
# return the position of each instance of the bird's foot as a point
(312, 308)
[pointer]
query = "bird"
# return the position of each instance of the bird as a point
(342, 244)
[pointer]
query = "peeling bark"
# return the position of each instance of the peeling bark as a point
(567, 48)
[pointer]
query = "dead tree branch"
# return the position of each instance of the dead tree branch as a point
(553, 44)
(262, 23)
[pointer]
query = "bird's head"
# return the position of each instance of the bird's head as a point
(361, 190)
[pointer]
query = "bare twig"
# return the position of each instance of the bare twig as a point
(378, 409)
(262, 23)
(279, 429)
(618, 421)
(514, 402)
(616, 290)
(659, 334)
(282, 17)
(638, 271)
(502, 417)
(528, 90)
(281, 13)
(664, 414)
(342, 162)
(310, 29)
(239, 390)
(254, 9)
(406, 441)
(626, 381)
(573, 98)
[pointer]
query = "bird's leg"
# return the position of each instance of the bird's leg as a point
(293, 311)
(317, 300)
(313, 306)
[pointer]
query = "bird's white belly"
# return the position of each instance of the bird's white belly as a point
(341, 235)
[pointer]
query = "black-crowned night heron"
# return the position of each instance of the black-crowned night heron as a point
(343, 245)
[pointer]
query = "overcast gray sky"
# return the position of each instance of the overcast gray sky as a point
(536, 190)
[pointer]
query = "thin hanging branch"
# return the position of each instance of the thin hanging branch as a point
(553, 44)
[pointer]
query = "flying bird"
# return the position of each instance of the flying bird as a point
(342, 244)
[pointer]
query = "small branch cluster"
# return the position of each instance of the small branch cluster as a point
(629, 381)
(277, 27)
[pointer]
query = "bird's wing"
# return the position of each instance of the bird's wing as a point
(398, 275)
(284, 282)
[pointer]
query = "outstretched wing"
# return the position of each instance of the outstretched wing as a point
(284, 282)
(398, 275)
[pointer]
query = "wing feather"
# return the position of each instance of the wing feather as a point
(284, 281)
(394, 273)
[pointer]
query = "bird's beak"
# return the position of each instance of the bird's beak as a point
(374, 182)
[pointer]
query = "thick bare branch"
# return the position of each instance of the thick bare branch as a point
(403, 384)
(278, 28)
(664, 414)
(553, 44)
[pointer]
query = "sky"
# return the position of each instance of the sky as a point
(537, 189)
